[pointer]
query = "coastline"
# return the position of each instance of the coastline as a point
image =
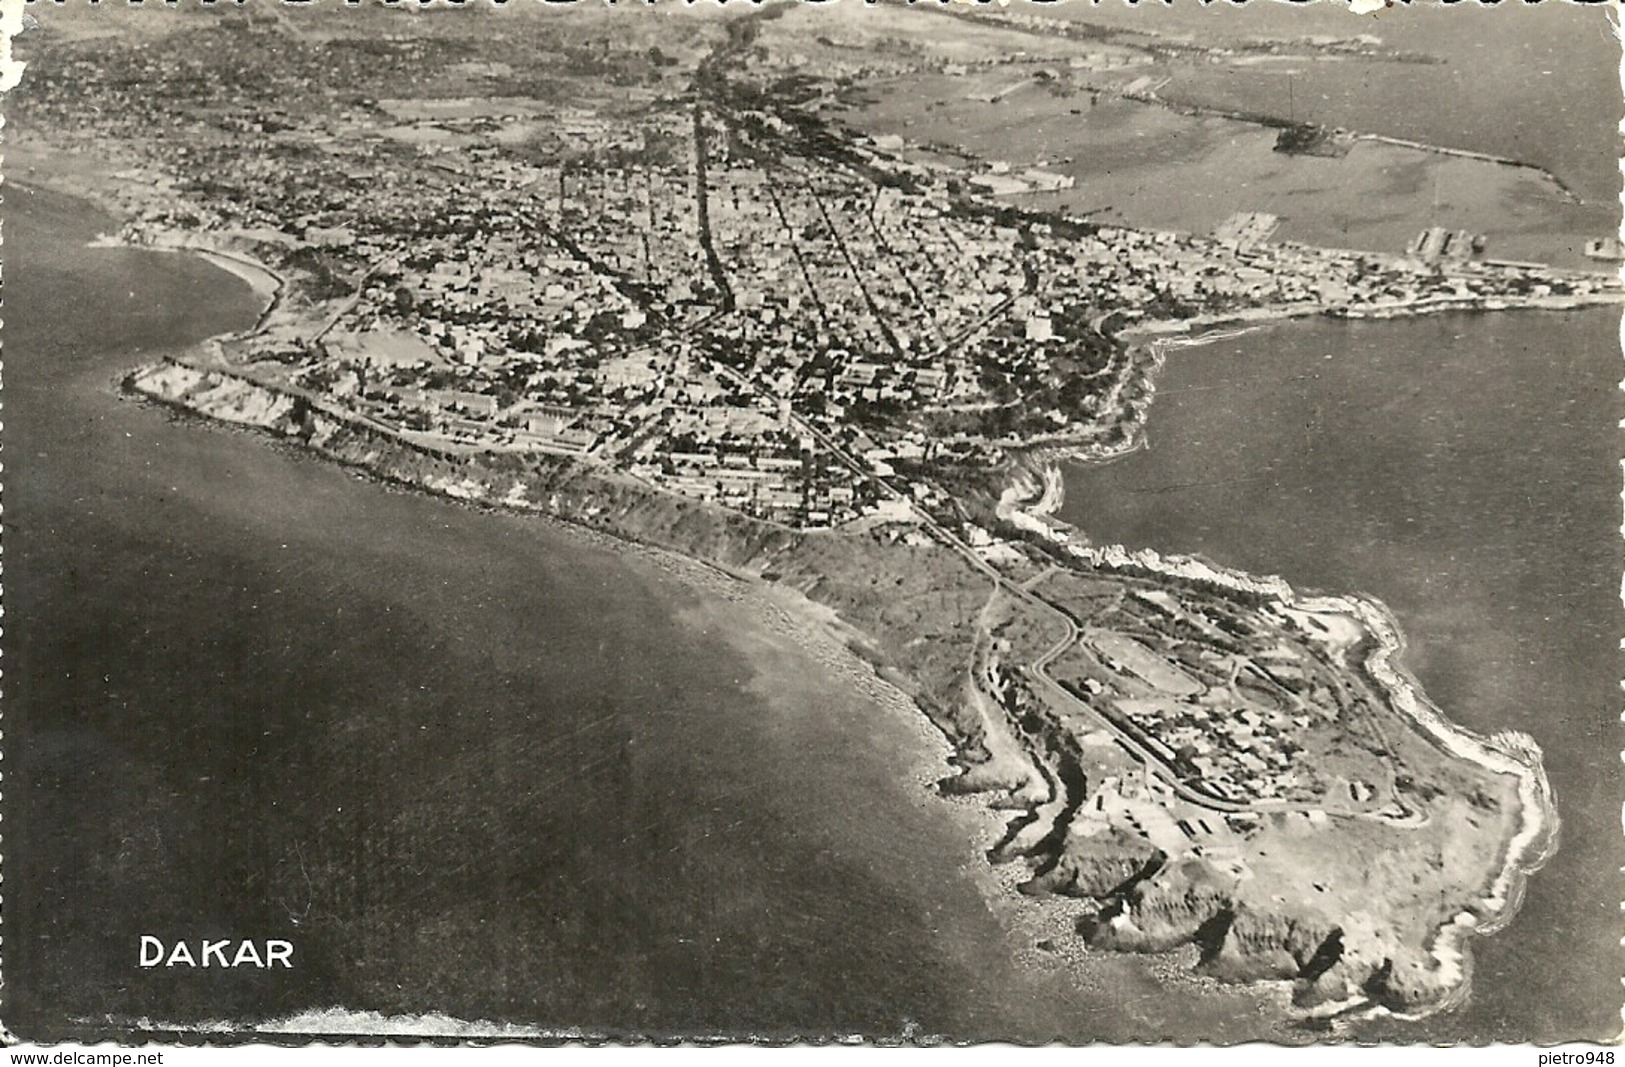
(1149, 342)
(1425, 484)
(777, 607)
(267, 285)
(781, 607)
(1508, 752)
(1146, 344)
(829, 635)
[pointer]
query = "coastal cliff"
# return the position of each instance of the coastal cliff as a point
(911, 611)
(1335, 958)
(910, 608)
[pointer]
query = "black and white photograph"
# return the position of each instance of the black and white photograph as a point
(892, 523)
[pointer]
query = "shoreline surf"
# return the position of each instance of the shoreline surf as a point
(1501, 754)
(1032, 507)
(1153, 339)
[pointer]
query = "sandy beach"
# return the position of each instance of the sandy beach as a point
(817, 630)
(266, 284)
(1145, 352)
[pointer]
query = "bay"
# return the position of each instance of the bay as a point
(468, 763)
(1464, 469)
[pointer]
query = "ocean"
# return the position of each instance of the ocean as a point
(1535, 82)
(478, 764)
(468, 763)
(1464, 469)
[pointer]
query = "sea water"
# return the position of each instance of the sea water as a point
(465, 762)
(1463, 468)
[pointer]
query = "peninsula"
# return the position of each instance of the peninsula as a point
(659, 292)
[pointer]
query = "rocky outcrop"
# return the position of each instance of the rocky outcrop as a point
(914, 606)
(1167, 905)
(1100, 867)
(912, 613)
(1167, 908)
(1249, 945)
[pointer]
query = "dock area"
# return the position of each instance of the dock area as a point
(1437, 243)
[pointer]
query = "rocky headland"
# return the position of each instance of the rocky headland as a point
(916, 612)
